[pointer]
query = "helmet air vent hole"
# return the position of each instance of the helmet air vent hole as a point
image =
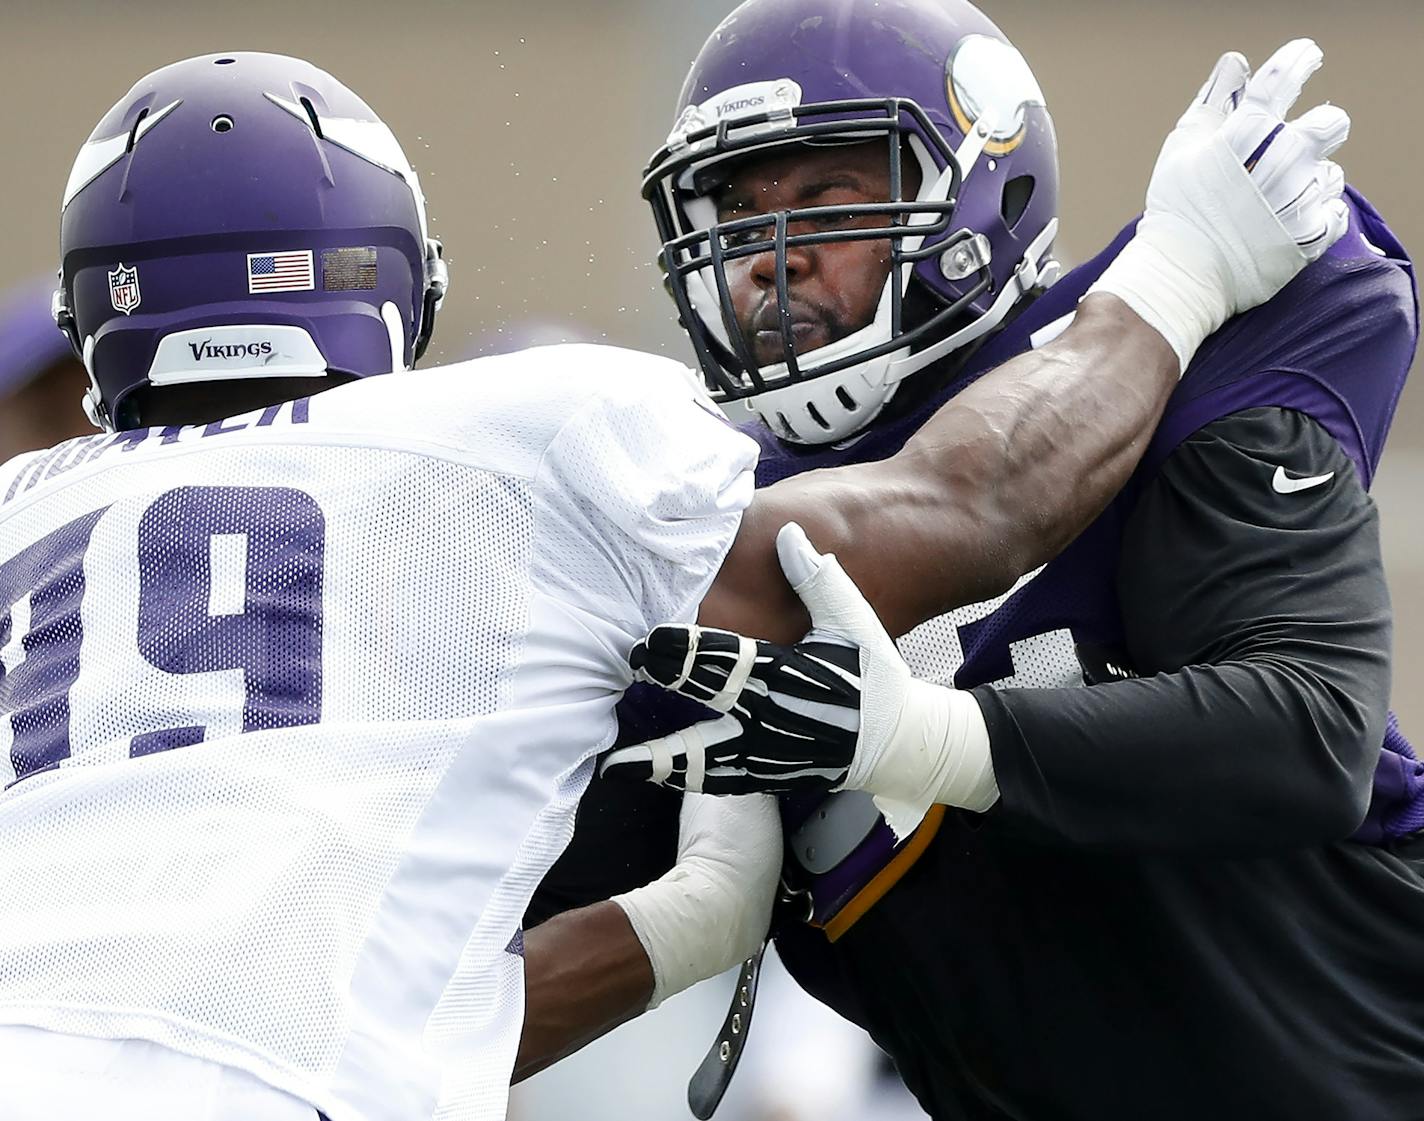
(786, 429)
(845, 398)
(816, 416)
(222, 123)
(223, 61)
(133, 132)
(311, 116)
(1017, 194)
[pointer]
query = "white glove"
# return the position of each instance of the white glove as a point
(919, 743)
(1239, 203)
(711, 911)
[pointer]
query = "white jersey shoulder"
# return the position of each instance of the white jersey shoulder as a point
(296, 708)
(506, 408)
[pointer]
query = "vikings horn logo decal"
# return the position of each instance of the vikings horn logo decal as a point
(989, 78)
(123, 288)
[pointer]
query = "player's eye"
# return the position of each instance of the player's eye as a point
(734, 239)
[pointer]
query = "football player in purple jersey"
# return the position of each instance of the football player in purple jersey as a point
(1191, 888)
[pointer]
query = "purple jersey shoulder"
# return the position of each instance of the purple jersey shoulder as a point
(1335, 344)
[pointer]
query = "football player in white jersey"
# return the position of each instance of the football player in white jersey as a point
(304, 670)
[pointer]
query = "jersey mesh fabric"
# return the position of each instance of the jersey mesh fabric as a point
(292, 828)
(934, 650)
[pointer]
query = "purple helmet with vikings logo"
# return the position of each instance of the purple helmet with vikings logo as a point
(241, 216)
(934, 80)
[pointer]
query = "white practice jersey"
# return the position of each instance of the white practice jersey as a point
(296, 708)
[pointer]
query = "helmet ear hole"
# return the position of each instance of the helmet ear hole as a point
(1018, 193)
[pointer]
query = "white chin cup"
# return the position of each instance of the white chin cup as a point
(830, 407)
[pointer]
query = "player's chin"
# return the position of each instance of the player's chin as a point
(769, 347)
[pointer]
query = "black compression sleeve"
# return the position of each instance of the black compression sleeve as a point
(1254, 607)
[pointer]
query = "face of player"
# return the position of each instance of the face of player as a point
(834, 287)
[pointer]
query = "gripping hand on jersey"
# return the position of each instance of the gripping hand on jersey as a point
(1241, 200)
(839, 709)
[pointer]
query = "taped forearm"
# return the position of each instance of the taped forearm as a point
(589, 970)
(711, 911)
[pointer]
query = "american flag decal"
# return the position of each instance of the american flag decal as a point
(290, 271)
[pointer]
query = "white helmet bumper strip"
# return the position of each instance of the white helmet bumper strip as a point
(232, 352)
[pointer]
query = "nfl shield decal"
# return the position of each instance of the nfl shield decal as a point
(123, 288)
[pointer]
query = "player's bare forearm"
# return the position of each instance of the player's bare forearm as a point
(1004, 476)
(585, 972)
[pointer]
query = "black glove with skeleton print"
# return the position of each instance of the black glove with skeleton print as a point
(793, 712)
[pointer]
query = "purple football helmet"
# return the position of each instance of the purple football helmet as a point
(242, 216)
(934, 80)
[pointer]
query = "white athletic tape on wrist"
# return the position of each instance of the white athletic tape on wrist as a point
(711, 910)
(661, 754)
(1170, 298)
(938, 752)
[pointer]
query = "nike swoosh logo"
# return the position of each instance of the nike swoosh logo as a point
(1282, 483)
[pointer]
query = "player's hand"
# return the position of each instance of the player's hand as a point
(839, 709)
(1240, 200)
(793, 712)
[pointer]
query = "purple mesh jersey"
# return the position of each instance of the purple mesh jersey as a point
(1336, 345)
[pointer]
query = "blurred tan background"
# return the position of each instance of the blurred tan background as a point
(529, 121)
